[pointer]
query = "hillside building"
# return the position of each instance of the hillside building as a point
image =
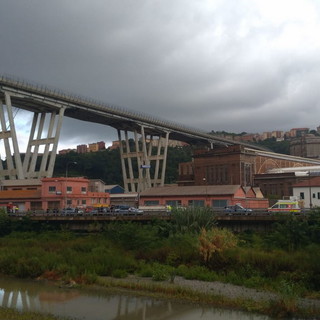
(82, 148)
(307, 146)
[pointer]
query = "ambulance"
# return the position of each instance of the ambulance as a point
(285, 206)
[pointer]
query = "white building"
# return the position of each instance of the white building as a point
(308, 192)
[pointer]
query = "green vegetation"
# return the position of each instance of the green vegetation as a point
(10, 314)
(270, 143)
(106, 165)
(276, 146)
(285, 260)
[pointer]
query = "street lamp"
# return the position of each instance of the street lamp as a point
(310, 194)
(205, 182)
(68, 163)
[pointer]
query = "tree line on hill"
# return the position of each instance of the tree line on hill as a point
(270, 143)
(106, 164)
(276, 146)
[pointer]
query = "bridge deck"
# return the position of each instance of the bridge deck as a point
(38, 98)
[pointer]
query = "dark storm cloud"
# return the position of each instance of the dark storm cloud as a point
(247, 65)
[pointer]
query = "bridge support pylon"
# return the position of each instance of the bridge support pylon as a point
(43, 143)
(143, 159)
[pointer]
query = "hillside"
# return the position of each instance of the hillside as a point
(106, 165)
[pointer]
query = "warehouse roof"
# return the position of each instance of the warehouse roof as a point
(192, 190)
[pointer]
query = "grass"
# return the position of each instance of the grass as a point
(11, 314)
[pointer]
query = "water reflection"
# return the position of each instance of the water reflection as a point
(33, 296)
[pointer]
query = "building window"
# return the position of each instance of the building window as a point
(302, 195)
(83, 202)
(173, 203)
(83, 190)
(69, 202)
(318, 195)
(151, 203)
(35, 205)
(313, 195)
(69, 189)
(52, 189)
(196, 203)
(219, 203)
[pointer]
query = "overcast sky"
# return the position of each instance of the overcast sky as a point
(233, 65)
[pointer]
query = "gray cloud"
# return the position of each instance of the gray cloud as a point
(244, 65)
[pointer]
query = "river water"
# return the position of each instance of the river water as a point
(96, 305)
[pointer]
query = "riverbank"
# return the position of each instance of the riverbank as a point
(213, 293)
(220, 295)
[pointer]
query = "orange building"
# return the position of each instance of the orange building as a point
(93, 147)
(50, 193)
(70, 192)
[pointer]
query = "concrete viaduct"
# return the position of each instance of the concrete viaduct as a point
(50, 106)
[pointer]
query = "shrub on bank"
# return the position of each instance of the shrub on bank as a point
(196, 273)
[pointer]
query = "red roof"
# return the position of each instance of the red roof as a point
(192, 190)
(311, 182)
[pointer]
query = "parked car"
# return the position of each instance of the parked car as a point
(133, 210)
(92, 212)
(122, 209)
(69, 211)
(126, 210)
(237, 209)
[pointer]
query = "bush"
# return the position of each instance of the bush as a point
(196, 273)
(132, 236)
(120, 273)
(29, 267)
(161, 272)
(192, 219)
(145, 270)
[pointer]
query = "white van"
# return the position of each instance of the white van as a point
(285, 206)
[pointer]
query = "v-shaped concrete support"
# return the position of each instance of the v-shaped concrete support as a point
(42, 144)
(143, 159)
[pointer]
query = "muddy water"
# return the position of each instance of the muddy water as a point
(93, 305)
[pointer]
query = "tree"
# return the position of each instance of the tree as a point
(192, 219)
(106, 164)
(315, 132)
(290, 235)
(214, 241)
(175, 156)
(276, 146)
